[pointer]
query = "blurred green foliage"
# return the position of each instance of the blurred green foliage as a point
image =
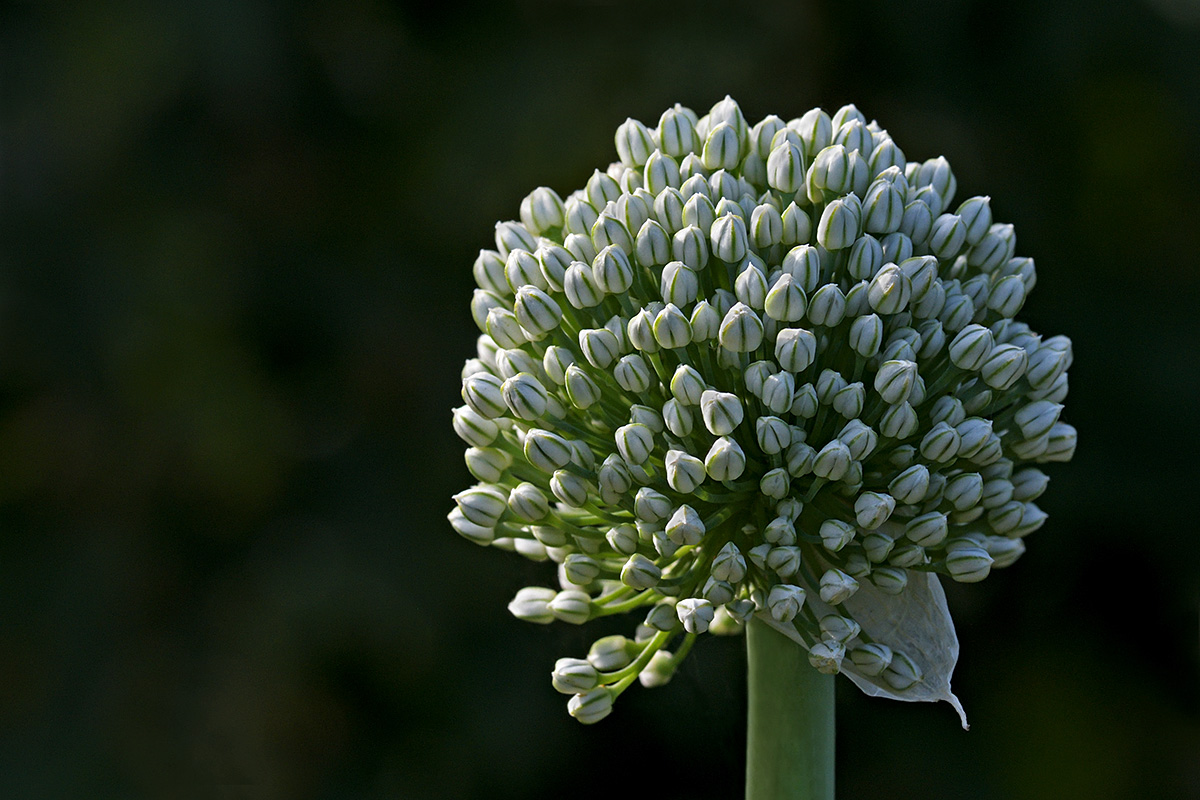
(235, 247)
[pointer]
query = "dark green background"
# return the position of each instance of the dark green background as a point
(235, 250)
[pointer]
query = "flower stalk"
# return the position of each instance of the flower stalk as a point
(790, 720)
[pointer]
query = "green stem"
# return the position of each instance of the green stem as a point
(789, 743)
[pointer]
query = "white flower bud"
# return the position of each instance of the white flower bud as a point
(800, 458)
(780, 531)
(1028, 484)
(528, 502)
(785, 167)
(836, 534)
(883, 209)
(941, 443)
(687, 386)
(1004, 366)
(473, 428)
(866, 335)
(680, 285)
(899, 421)
(650, 505)
(897, 247)
(797, 227)
(762, 135)
(479, 534)
(832, 462)
(532, 604)
(482, 302)
(995, 248)
(871, 659)
(922, 272)
(1004, 551)
(803, 263)
(569, 488)
(661, 172)
(827, 306)
(976, 215)
(571, 606)
(725, 460)
(660, 670)
(525, 396)
(591, 707)
(600, 346)
(483, 394)
(773, 434)
(968, 564)
(718, 593)
(730, 242)
(513, 235)
(573, 675)
(482, 505)
(610, 653)
(902, 673)
(840, 224)
(831, 174)
(775, 483)
(633, 374)
(640, 572)
(722, 411)
(777, 391)
(690, 246)
(722, 148)
(685, 526)
(872, 509)
(546, 451)
(786, 301)
(910, 485)
(677, 418)
(826, 656)
(676, 132)
(750, 286)
(741, 330)
(849, 400)
(521, 268)
(668, 210)
(652, 245)
(889, 580)
(889, 291)
(487, 464)
(766, 226)
(859, 439)
(894, 380)
(581, 389)
(741, 610)
(729, 564)
(1032, 518)
(699, 212)
(696, 614)
(795, 349)
(634, 143)
(784, 602)
(612, 271)
(662, 617)
(784, 561)
(623, 539)
(836, 628)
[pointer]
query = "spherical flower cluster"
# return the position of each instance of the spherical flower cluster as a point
(753, 369)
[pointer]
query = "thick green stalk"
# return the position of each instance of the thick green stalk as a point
(789, 746)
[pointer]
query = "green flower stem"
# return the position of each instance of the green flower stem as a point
(790, 733)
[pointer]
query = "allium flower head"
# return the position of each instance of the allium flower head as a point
(762, 369)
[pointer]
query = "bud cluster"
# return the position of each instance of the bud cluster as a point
(745, 370)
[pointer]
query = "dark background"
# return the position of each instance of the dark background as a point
(235, 250)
